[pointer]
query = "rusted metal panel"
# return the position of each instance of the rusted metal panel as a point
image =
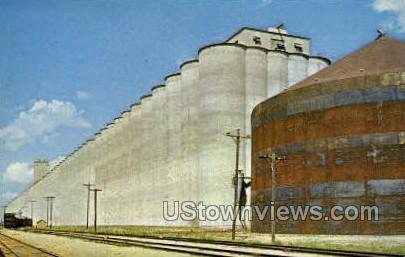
(285, 193)
(343, 121)
(344, 147)
(338, 189)
(384, 187)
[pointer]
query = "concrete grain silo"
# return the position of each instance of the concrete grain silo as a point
(341, 131)
(171, 146)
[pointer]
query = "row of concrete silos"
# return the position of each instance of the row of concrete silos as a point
(171, 146)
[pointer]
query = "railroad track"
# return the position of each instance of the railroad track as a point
(213, 247)
(11, 247)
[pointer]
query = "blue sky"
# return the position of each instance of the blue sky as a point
(67, 67)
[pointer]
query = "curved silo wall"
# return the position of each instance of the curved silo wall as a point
(144, 169)
(125, 145)
(153, 158)
(190, 126)
(222, 109)
(344, 144)
(175, 179)
(277, 72)
(256, 91)
(159, 132)
(105, 178)
(135, 178)
(315, 64)
(297, 68)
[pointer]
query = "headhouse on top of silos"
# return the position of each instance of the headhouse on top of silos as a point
(342, 131)
(171, 144)
(276, 39)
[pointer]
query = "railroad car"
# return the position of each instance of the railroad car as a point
(11, 221)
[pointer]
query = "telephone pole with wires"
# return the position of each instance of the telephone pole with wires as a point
(95, 190)
(32, 210)
(273, 157)
(49, 210)
(4, 214)
(237, 139)
(88, 185)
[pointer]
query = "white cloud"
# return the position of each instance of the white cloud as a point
(83, 95)
(396, 7)
(265, 3)
(40, 121)
(22, 172)
(18, 172)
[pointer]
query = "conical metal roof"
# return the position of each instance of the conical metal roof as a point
(380, 56)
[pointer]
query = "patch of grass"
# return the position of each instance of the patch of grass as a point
(352, 246)
(155, 231)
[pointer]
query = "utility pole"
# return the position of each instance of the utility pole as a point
(236, 138)
(51, 214)
(95, 190)
(4, 214)
(88, 185)
(32, 210)
(274, 158)
(49, 210)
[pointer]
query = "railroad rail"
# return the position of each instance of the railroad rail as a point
(11, 247)
(212, 247)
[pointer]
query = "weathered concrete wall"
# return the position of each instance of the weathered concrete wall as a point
(172, 145)
(277, 72)
(222, 76)
(256, 66)
(344, 143)
(191, 126)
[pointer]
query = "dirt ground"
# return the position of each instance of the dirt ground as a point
(68, 247)
(384, 244)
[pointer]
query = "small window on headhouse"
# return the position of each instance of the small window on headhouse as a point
(278, 44)
(281, 47)
(236, 41)
(257, 40)
(298, 47)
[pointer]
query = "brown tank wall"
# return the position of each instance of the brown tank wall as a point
(345, 145)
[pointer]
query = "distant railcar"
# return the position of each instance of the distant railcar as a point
(25, 222)
(11, 221)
